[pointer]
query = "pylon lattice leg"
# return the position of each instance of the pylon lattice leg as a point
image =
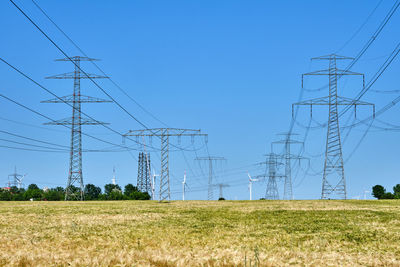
(164, 179)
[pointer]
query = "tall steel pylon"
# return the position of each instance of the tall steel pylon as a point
(75, 176)
(16, 179)
(287, 142)
(210, 193)
(272, 186)
(221, 187)
(144, 172)
(164, 134)
(333, 180)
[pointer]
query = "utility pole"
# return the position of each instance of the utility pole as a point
(287, 142)
(333, 180)
(164, 134)
(365, 194)
(75, 176)
(143, 179)
(210, 160)
(16, 179)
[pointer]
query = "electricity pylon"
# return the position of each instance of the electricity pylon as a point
(75, 176)
(272, 186)
(16, 179)
(333, 180)
(221, 186)
(287, 142)
(210, 193)
(144, 173)
(164, 134)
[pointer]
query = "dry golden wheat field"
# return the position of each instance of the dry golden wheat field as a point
(200, 233)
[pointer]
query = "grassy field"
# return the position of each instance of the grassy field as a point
(200, 233)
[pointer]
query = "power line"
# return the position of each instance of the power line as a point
(48, 118)
(31, 125)
(29, 149)
(63, 100)
(26, 144)
(98, 68)
(77, 65)
(360, 28)
(32, 139)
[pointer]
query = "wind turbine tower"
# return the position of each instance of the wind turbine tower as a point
(114, 181)
(184, 186)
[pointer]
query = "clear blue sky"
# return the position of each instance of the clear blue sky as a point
(230, 68)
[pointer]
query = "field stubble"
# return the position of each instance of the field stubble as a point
(200, 233)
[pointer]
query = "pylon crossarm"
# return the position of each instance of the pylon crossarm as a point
(70, 99)
(332, 56)
(74, 75)
(341, 101)
(70, 121)
(338, 72)
(77, 58)
(165, 132)
(290, 141)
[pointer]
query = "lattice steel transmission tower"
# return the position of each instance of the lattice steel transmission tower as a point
(333, 180)
(272, 186)
(271, 164)
(75, 176)
(16, 179)
(287, 142)
(144, 173)
(221, 187)
(210, 193)
(164, 134)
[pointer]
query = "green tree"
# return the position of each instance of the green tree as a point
(139, 196)
(92, 192)
(387, 195)
(116, 195)
(33, 186)
(5, 195)
(14, 189)
(378, 191)
(108, 188)
(59, 189)
(396, 191)
(53, 195)
(35, 194)
(19, 196)
(129, 189)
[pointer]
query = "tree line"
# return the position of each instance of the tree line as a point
(91, 192)
(379, 192)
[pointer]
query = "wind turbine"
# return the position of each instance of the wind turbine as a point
(19, 180)
(184, 186)
(113, 180)
(251, 184)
